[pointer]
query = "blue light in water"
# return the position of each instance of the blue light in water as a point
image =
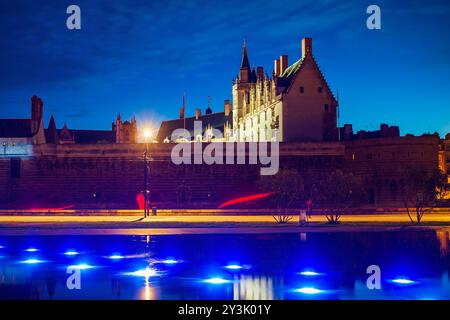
(403, 281)
(233, 267)
(116, 257)
(2, 247)
(308, 290)
(31, 261)
(71, 253)
(81, 266)
(310, 273)
(216, 280)
(31, 250)
(147, 273)
(170, 261)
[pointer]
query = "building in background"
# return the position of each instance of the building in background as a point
(294, 104)
(17, 136)
(221, 121)
(121, 132)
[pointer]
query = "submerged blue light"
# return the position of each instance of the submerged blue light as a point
(147, 273)
(308, 290)
(216, 280)
(233, 267)
(71, 253)
(31, 250)
(31, 261)
(310, 273)
(116, 257)
(81, 266)
(170, 261)
(403, 281)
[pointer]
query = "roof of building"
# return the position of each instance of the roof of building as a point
(215, 120)
(287, 78)
(52, 134)
(90, 136)
(15, 128)
(245, 62)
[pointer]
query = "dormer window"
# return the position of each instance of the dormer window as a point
(319, 89)
(302, 89)
(326, 107)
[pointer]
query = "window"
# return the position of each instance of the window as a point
(326, 107)
(319, 89)
(15, 168)
(302, 89)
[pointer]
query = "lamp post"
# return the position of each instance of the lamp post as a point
(147, 135)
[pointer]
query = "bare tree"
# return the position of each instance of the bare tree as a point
(286, 188)
(337, 191)
(420, 191)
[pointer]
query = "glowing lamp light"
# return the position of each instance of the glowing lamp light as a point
(233, 267)
(31, 250)
(216, 280)
(81, 266)
(147, 134)
(31, 261)
(308, 290)
(403, 281)
(2, 247)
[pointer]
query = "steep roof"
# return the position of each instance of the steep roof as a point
(245, 62)
(51, 134)
(15, 128)
(287, 78)
(215, 120)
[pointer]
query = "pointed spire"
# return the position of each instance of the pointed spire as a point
(245, 62)
(52, 134)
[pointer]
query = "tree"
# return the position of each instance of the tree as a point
(337, 191)
(287, 188)
(420, 191)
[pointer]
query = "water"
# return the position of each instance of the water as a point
(414, 265)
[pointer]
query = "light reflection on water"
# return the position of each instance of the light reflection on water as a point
(414, 265)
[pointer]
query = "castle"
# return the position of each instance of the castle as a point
(104, 168)
(295, 104)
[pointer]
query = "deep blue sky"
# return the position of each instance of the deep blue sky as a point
(139, 57)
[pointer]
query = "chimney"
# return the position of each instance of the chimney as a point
(276, 67)
(306, 46)
(198, 114)
(227, 108)
(182, 113)
(260, 73)
(283, 63)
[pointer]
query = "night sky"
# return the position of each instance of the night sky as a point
(139, 57)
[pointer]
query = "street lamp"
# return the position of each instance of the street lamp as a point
(147, 135)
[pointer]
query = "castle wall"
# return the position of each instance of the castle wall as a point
(382, 162)
(111, 175)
